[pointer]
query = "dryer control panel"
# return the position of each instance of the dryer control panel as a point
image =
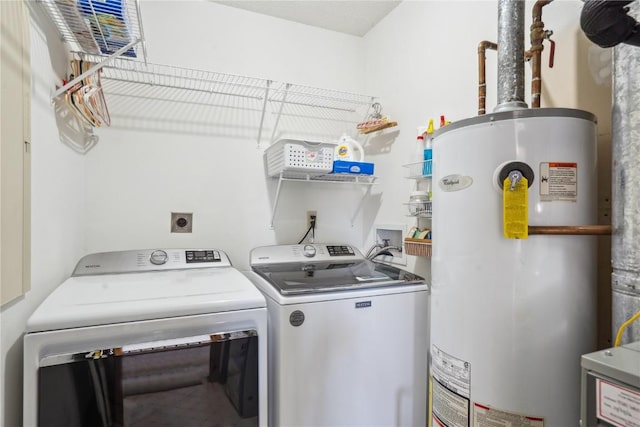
(150, 260)
(203, 256)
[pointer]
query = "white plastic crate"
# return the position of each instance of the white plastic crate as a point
(291, 155)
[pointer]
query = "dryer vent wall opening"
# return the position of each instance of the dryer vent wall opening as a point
(181, 222)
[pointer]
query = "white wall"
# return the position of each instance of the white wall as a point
(57, 220)
(143, 169)
(421, 60)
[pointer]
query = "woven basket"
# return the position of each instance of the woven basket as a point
(417, 247)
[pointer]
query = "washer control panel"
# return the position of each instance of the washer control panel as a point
(303, 253)
(340, 251)
(150, 260)
(202, 256)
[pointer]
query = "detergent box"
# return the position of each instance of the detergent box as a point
(356, 168)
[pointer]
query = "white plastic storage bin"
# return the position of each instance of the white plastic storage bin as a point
(291, 155)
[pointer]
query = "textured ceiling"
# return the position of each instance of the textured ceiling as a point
(350, 17)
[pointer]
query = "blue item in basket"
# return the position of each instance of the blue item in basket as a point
(356, 168)
(426, 168)
(108, 23)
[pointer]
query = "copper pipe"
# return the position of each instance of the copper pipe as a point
(537, 35)
(567, 230)
(482, 78)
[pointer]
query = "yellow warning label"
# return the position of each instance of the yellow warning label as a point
(515, 209)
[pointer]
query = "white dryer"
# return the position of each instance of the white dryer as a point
(148, 338)
(348, 338)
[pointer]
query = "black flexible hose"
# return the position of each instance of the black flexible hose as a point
(607, 23)
(307, 233)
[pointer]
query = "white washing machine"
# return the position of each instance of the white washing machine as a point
(348, 338)
(148, 338)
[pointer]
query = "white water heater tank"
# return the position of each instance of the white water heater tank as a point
(511, 317)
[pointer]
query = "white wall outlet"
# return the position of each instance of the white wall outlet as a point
(181, 222)
(309, 215)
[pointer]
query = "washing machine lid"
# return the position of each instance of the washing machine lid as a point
(305, 269)
(101, 299)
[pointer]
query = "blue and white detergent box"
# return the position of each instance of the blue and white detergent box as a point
(356, 168)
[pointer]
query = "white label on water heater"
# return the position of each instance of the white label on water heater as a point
(454, 373)
(448, 408)
(616, 405)
(451, 389)
(485, 416)
(558, 181)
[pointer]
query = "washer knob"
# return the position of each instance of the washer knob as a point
(158, 257)
(309, 251)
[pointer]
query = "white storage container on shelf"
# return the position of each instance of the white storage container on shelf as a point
(290, 155)
(419, 204)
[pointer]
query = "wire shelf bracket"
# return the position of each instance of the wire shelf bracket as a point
(330, 107)
(338, 178)
(95, 68)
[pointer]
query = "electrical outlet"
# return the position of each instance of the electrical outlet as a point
(311, 214)
(181, 222)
